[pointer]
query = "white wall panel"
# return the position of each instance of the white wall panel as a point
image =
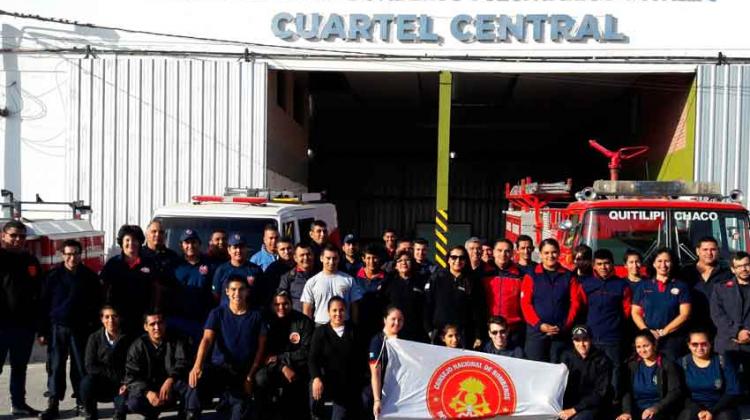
(146, 132)
(723, 126)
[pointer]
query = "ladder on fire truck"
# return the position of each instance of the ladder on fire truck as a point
(528, 196)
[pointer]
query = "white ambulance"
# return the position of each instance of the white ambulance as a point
(248, 211)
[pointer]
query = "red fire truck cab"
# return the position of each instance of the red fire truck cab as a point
(622, 215)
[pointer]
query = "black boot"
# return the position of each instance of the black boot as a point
(52, 411)
(23, 410)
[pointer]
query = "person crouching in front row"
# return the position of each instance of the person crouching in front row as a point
(156, 371)
(106, 351)
(589, 388)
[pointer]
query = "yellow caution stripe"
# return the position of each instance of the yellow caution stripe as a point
(441, 237)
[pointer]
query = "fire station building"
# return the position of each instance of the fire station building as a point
(131, 105)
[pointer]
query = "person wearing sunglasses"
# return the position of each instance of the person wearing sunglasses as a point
(713, 386)
(20, 283)
(498, 344)
(404, 290)
(454, 296)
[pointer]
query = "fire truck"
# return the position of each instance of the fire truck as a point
(619, 215)
(46, 235)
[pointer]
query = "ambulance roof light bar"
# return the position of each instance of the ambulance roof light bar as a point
(281, 196)
(657, 189)
(199, 199)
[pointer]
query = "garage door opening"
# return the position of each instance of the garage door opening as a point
(373, 139)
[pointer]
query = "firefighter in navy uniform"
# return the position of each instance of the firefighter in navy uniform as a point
(550, 299)
(193, 297)
(730, 312)
(238, 265)
(702, 277)
(454, 296)
(71, 298)
(20, 284)
(293, 281)
(128, 280)
(155, 249)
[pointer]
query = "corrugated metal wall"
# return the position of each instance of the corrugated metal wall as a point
(146, 132)
(722, 146)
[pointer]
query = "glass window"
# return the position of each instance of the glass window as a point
(251, 228)
(621, 229)
(730, 229)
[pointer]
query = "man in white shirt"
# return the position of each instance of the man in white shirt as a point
(321, 287)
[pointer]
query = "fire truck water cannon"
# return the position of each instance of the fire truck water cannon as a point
(616, 157)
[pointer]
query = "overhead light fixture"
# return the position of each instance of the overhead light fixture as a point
(310, 153)
(452, 154)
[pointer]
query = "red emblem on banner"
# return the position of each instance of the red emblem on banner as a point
(470, 386)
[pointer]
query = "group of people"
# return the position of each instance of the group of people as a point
(290, 330)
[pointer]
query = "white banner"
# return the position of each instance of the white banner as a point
(425, 381)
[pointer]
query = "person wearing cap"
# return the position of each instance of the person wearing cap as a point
(238, 265)
(351, 262)
(272, 275)
(609, 299)
(588, 391)
(192, 298)
(293, 281)
(267, 254)
(284, 370)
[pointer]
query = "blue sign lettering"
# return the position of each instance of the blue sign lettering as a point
(465, 28)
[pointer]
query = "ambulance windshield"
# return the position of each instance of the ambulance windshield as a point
(646, 230)
(252, 229)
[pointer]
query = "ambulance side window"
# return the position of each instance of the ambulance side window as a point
(287, 229)
(571, 234)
